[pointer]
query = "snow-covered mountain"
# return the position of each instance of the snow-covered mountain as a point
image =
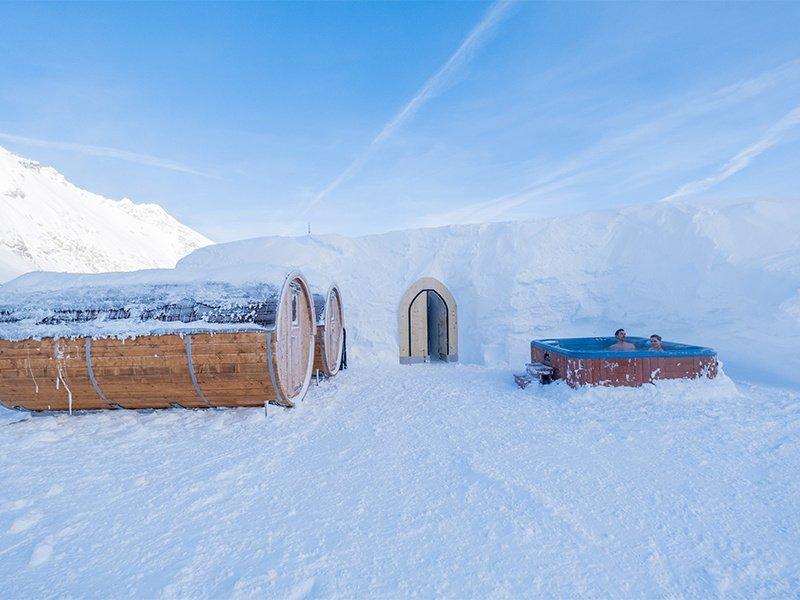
(46, 223)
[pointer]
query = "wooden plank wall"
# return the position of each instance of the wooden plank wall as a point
(145, 372)
(233, 370)
(626, 371)
(334, 326)
(40, 374)
(321, 363)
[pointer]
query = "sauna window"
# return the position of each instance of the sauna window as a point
(295, 294)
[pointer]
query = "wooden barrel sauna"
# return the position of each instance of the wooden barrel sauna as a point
(263, 353)
(329, 341)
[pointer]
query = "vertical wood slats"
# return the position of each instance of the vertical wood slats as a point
(626, 371)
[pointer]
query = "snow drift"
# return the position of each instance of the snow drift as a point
(396, 481)
(449, 483)
(724, 275)
(48, 223)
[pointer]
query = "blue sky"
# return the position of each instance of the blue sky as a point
(252, 119)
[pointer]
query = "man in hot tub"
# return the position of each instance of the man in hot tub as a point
(621, 343)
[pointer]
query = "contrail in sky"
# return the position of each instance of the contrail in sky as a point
(670, 118)
(133, 157)
(742, 159)
(435, 84)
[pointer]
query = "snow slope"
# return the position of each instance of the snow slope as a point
(421, 481)
(46, 223)
(725, 276)
(446, 480)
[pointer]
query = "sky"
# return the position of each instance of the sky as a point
(254, 119)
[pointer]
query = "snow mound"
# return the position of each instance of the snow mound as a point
(723, 275)
(47, 223)
(719, 275)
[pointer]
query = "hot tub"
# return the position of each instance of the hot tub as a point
(588, 361)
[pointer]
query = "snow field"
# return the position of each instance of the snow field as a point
(438, 480)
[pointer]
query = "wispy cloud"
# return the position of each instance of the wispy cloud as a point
(132, 157)
(741, 160)
(433, 86)
(590, 161)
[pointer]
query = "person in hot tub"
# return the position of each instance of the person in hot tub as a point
(621, 343)
(655, 343)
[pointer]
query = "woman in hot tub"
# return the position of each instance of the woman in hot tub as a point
(655, 343)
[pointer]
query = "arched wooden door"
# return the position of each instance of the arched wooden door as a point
(428, 323)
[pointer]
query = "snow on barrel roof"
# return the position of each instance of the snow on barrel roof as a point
(145, 302)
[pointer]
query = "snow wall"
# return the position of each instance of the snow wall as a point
(724, 275)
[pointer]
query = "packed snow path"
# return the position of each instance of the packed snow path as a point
(442, 480)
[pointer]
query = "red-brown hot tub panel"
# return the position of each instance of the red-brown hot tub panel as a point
(625, 371)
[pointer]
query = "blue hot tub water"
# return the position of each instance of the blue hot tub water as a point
(598, 347)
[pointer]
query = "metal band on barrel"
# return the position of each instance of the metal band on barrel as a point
(192, 375)
(90, 370)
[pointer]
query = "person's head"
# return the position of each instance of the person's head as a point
(655, 341)
(620, 335)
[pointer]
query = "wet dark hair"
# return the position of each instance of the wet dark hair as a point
(616, 333)
(655, 335)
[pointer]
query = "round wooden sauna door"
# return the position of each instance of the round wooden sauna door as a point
(294, 338)
(333, 331)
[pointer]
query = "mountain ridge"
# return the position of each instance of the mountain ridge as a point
(50, 224)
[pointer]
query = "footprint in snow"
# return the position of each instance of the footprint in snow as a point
(54, 490)
(41, 554)
(25, 522)
(17, 504)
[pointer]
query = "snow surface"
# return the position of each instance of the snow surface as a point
(447, 480)
(439, 480)
(48, 223)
